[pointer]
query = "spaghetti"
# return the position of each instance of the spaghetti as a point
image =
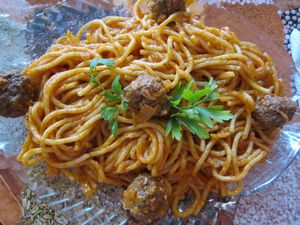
(66, 130)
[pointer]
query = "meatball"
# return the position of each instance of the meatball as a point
(146, 198)
(163, 8)
(17, 93)
(147, 91)
(274, 111)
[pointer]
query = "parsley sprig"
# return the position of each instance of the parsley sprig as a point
(93, 64)
(187, 105)
(111, 113)
(192, 115)
(114, 98)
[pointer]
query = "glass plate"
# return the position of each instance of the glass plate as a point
(105, 207)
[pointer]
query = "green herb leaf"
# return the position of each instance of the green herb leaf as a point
(216, 107)
(174, 127)
(108, 113)
(93, 64)
(212, 84)
(93, 79)
(215, 113)
(116, 87)
(98, 60)
(177, 93)
(211, 96)
(204, 116)
(112, 98)
(194, 126)
(219, 115)
(169, 127)
(192, 115)
(188, 95)
(114, 127)
(201, 93)
(125, 105)
(175, 103)
(194, 97)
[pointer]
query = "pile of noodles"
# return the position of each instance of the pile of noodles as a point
(65, 128)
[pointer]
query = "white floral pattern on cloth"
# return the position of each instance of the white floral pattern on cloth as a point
(291, 21)
(242, 2)
(34, 212)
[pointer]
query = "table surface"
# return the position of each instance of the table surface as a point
(276, 205)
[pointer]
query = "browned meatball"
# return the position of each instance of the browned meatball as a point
(147, 91)
(17, 93)
(163, 8)
(274, 111)
(146, 198)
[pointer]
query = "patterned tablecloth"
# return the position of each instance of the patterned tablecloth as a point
(276, 205)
